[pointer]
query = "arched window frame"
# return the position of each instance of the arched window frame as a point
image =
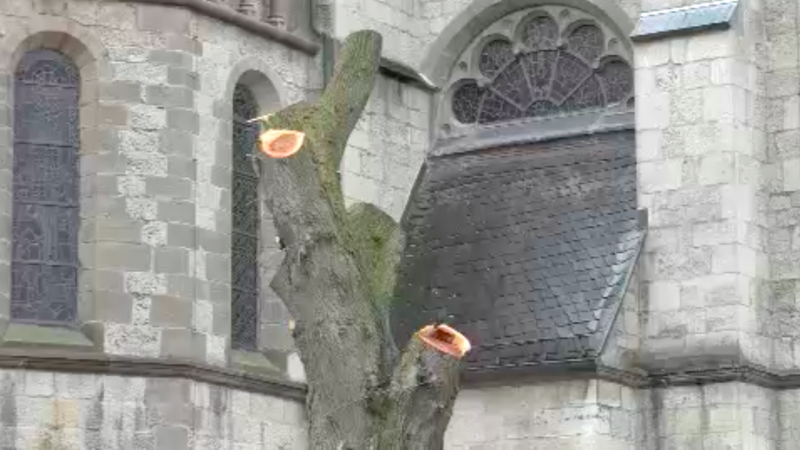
(246, 221)
(46, 189)
(454, 136)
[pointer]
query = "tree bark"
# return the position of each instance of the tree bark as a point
(338, 278)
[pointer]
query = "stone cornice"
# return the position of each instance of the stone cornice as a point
(92, 363)
(233, 17)
(388, 67)
(638, 379)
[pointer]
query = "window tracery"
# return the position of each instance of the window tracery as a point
(553, 61)
(46, 194)
(244, 239)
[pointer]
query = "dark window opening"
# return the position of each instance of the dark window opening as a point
(46, 192)
(244, 239)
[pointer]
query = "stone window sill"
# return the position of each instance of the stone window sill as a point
(250, 361)
(18, 335)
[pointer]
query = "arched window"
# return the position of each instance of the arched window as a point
(538, 69)
(244, 241)
(46, 196)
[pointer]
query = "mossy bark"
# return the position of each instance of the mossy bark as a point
(338, 276)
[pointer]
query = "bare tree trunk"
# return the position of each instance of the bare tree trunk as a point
(338, 277)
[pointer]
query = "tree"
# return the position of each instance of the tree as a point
(338, 277)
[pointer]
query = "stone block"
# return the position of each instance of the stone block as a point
(172, 261)
(137, 72)
(162, 19)
(183, 43)
(185, 120)
(183, 77)
(714, 233)
(148, 118)
(221, 322)
(791, 174)
(658, 176)
(724, 419)
(686, 107)
(653, 110)
(214, 242)
(781, 83)
(182, 167)
(182, 344)
(104, 280)
(154, 233)
(172, 58)
(76, 386)
(107, 306)
(109, 230)
(217, 349)
(218, 267)
(179, 189)
(147, 163)
(116, 256)
(681, 265)
(219, 293)
(719, 103)
(123, 91)
(132, 340)
(712, 45)
(145, 283)
(168, 391)
(177, 142)
(717, 169)
(141, 208)
(180, 236)
(176, 212)
(39, 384)
(172, 438)
(169, 96)
(663, 295)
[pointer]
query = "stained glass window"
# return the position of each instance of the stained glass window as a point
(244, 240)
(46, 193)
(545, 77)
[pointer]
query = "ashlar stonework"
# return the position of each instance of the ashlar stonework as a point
(639, 296)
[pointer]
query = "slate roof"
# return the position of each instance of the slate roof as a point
(529, 248)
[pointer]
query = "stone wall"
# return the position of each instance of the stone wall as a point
(782, 88)
(717, 416)
(409, 25)
(563, 415)
(156, 143)
(388, 146)
(46, 411)
(413, 25)
(700, 151)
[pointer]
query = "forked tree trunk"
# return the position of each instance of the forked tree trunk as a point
(338, 277)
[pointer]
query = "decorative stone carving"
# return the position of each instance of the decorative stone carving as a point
(547, 62)
(252, 8)
(279, 13)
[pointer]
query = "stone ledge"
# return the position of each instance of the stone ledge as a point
(22, 335)
(265, 384)
(233, 17)
(636, 378)
(715, 15)
(406, 74)
(253, 362)
(84, 362)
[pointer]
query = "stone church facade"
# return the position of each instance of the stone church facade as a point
(604, 194)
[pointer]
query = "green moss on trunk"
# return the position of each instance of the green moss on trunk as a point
(338, 276)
